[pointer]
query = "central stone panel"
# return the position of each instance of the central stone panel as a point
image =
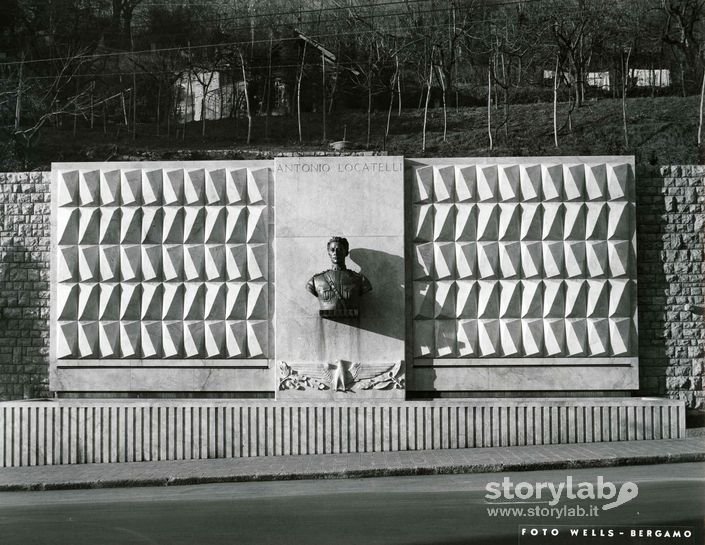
(335, 338)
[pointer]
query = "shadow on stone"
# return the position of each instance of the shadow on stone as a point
(378, 308)
(23, 324)
(653, 243)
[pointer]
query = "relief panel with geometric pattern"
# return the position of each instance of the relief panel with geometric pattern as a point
(524, 260)
(161, 263)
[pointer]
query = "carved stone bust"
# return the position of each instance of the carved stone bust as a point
(338, 289)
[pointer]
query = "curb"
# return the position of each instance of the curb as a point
(364, 473)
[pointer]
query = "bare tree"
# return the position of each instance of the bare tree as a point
(299, 77)
(684, 31)
(700, 115)
(429, 84)
(625, 82)
(555, 101)
(366, 75)
(489, 104)
(64, 94)
(122, 12)
(247, 98)
(441, 80)
(575, 28)
(393, 85)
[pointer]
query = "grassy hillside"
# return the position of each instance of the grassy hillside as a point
(661, 131)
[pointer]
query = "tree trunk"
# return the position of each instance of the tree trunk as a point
(115, 22)
(496, 87)
(369, 98)
(204, 104)
(247, 100)
(624, 98)
(505, 88)
(700, 119)
(92, 117)
(134, 105)
(221, 101)
(580, 71)
(124, 108)
(18, 102)
(454, 66)
(323, 88)
(335, 80)
(443, 97)
(395, 77)
(489, 104)
(189, 94)
(555, 104)
(203, 110)
(134, 83)
(159, 105)
(298, 92)
(425, 110)
(168, 113)
(396, 58)
(268, 89)
(369, 107)
(389, 112)
(189, 90)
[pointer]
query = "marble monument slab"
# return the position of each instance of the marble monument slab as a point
(321, 355)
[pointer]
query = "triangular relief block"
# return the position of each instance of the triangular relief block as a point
(443, 183)
(257, 339)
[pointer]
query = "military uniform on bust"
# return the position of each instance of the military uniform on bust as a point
(338, 289)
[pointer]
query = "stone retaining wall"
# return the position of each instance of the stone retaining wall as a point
(79, 432)
(671, 298)
(24, 285)
(670, 244)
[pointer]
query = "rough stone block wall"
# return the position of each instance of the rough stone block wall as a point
(670, 245)
(24, 285)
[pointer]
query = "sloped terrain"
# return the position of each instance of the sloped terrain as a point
(662, 130)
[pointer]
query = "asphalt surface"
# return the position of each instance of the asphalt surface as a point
(439, 509)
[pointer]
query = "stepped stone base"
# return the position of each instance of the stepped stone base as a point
(77, 432)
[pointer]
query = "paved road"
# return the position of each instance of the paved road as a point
(450, 510)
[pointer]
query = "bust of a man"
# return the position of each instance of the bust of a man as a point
(338, 289)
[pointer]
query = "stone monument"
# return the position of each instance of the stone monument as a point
(350, 344)
(506, 287)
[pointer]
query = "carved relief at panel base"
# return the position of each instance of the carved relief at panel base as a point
(341, 380)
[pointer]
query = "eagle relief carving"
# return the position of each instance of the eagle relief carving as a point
(341, 376)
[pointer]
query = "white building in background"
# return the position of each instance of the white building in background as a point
(600, 80)
(650, 77)
(190, 90)
(639, 77)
